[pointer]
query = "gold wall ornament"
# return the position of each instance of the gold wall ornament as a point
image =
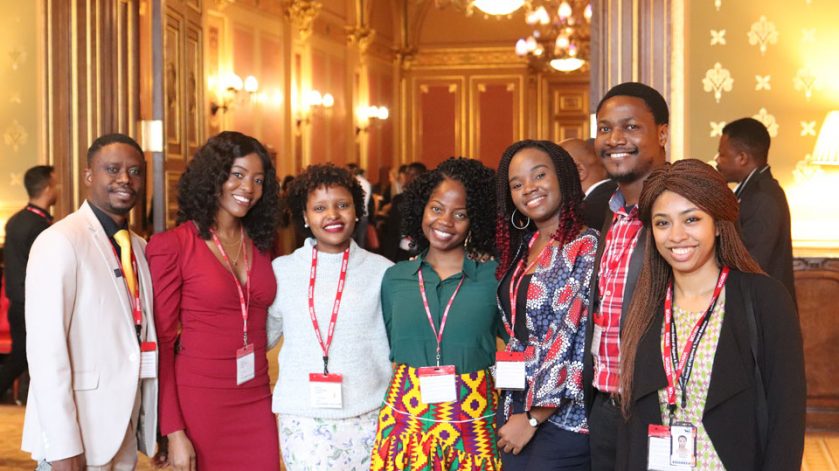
(717, 80)
(763, 33)
(718, 4)
(15, 135)
(762, 82)
(301, 14)
(718, 37)
(360, 36)
(17, 56)
(808, 128)
(716, 128)
(806, 81)
(768, 120)
(15, 179)
(471, 57)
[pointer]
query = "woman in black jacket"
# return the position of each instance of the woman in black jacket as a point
(712, 348)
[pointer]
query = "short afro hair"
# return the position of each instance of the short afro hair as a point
(750, 136)
(37, 179)
(478, 181)
(107, 139)
(654, 101)
(317, 176)
(201, 184)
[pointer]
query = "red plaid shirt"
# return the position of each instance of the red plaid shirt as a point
(614, 265)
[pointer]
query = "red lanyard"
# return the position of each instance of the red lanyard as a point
(136, 305)
(438, 335)
(685, 363)
(244, 304)
(516, 283)
(39, 212)
(335, 306)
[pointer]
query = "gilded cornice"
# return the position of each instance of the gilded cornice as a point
(488, 57)
(301, 14)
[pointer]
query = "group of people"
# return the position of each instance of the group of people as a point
(653, 340)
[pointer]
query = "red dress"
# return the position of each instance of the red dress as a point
(231, 427)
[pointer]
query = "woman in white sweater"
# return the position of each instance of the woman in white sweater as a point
(334, 365)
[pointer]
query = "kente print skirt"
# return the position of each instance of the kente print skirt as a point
(416, 436)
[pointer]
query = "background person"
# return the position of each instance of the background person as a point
(213, 285)
(598, 188)
(697, 270)
(546, 261)
(326, 201)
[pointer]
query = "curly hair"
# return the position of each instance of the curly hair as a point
(702, 185)
(317, 176)
(570, 216)
(201, 185)
(477, 179)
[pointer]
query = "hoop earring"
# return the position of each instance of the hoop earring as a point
(513, 221)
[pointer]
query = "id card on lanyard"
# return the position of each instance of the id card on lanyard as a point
(673, 446)
(245, 358)
(437, 383)
(148, 350)
(325, 389)
(510, 371)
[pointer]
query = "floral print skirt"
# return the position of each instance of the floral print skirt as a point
(314, 444)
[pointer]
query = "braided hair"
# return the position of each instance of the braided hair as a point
(509, 238)
(699, 183)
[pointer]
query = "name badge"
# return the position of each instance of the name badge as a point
(148, 360)
(437, 384)
(509, 370)
(245, 364)
(325, 391)
(660, 449)
(595, 340)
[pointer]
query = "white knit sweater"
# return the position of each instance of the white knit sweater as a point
(359, 349)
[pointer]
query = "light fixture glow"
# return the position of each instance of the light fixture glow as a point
(498, 7)
(826, 151)
(567, 64)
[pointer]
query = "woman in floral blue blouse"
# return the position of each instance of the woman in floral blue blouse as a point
(546, 261)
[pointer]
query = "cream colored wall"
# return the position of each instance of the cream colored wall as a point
(774, 61)
(20, 146)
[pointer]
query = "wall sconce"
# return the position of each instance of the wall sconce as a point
(312, 101)
(366, 114)
(826, 151)
(229, 95)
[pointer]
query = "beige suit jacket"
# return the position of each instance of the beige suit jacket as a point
(81, 344)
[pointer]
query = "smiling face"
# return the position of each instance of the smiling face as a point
(115, 179)
(685, 235)
(330, 214)
(534, 186)
(445, 222)
(629, 141)
(243, 187)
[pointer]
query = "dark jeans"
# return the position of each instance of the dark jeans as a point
(551, 448)
(603, 424)
(15, 363)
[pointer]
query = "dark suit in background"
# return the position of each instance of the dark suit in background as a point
(21, 231)
(765, 226)
(596, 204)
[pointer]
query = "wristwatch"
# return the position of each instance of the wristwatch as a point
(531, 420)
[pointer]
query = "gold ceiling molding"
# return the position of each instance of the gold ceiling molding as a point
(301, 14)
(489, 57)
(360, 36)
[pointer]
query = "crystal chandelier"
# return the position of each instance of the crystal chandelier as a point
(561, 34)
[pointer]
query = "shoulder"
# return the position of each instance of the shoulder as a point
(403, 269)
(170, 241)
(765, 290)
(372, 261)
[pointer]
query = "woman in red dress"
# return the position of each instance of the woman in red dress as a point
(213, 284)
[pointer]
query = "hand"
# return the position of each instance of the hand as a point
(515, 434)
(74, 463)
(161, 458)
(181, 452)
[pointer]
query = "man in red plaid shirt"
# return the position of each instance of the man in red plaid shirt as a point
(632, 129)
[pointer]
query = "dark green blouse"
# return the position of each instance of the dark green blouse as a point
(472, 325)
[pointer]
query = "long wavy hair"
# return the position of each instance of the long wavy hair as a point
(703, 186)
(201, 185)
(508, 238)
(477, 180)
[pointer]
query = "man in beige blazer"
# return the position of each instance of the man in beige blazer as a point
(91, 405)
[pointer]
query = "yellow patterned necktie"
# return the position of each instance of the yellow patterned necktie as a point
(123, 239)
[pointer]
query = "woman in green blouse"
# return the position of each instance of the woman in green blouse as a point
(441, 321)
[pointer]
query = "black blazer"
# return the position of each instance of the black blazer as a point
(730, 407)
(765, 226)
(21, 231)
(596, 204)
(636, 260)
